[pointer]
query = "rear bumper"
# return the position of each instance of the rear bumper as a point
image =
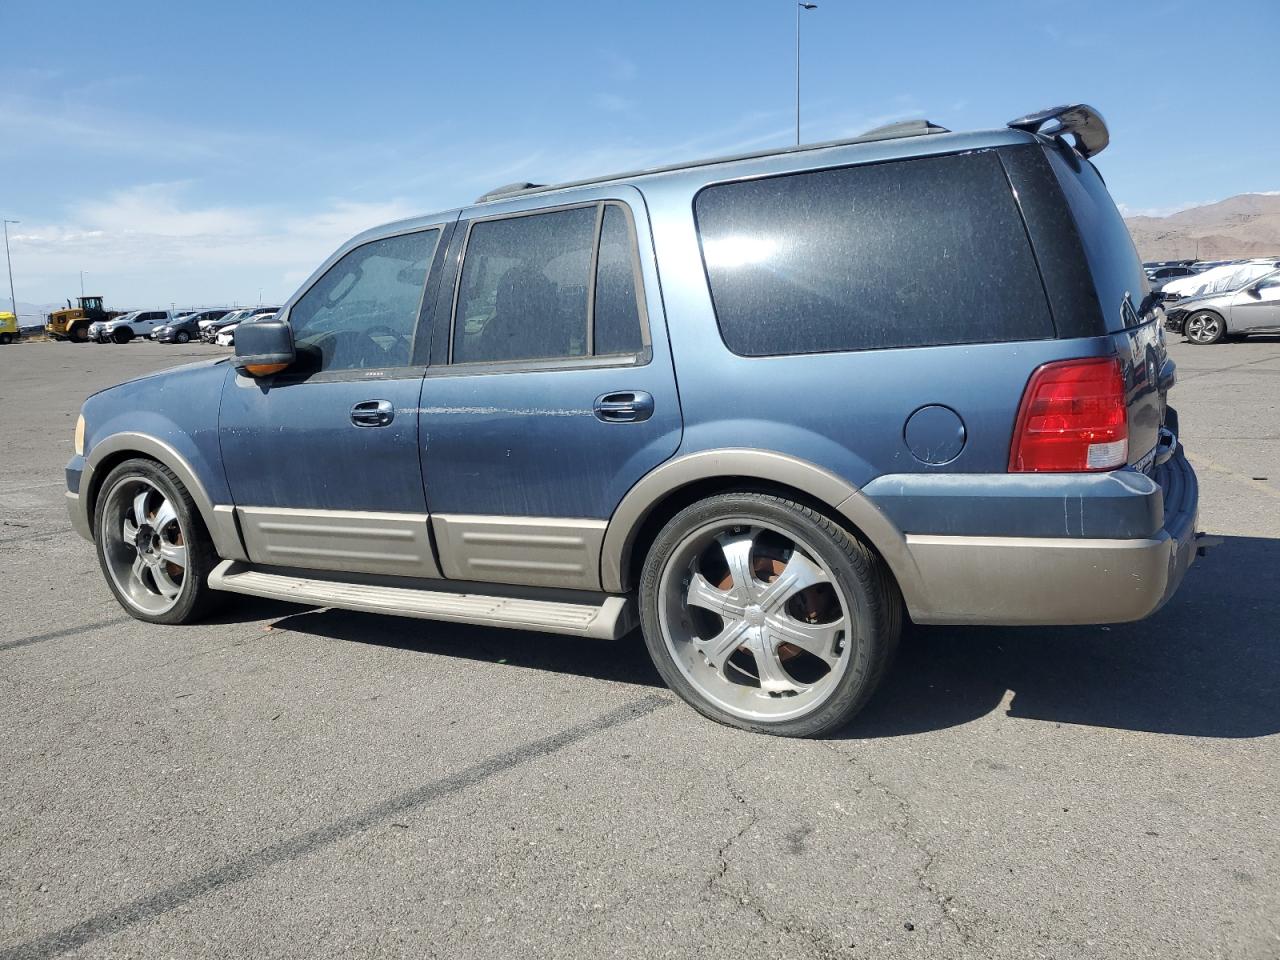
(1060, 580)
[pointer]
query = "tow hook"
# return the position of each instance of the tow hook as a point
(1204, 541)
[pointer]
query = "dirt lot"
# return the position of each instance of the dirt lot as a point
(288, 782)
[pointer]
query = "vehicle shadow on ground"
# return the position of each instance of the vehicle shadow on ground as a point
(623, 661)
(1206, 665)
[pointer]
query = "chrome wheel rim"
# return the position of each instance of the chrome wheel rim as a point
(1203, 328)
(755, 620)
(144, 545)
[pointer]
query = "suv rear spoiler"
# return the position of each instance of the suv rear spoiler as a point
(1079, 119)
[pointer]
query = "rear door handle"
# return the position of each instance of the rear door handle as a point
(627, 406)
(373, 413)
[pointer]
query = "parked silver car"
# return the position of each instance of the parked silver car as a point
(1251, 308)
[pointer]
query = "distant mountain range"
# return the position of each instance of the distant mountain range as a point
(29, 314)
(1247, 225)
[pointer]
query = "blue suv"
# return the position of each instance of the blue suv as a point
(763, 407)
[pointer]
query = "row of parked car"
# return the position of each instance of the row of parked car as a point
(165, 326)
(1207, 302)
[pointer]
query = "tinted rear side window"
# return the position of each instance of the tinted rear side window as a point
(1113, 260)
(912, 253)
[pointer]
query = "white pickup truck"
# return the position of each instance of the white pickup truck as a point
(139, 324)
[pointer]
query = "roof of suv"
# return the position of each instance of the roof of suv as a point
(895, 141)
(893, 131)
(1080, 120)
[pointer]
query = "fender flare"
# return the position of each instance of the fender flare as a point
(840, 496)
(218, 519)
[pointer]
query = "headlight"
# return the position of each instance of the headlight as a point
(79, 441)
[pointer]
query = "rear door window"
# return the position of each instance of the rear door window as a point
(911, 253)
(554, 285)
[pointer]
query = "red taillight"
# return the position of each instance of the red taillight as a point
(1072, 418)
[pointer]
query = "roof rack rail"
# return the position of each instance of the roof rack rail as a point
(509, 190)
(1078, 119)
(903, 128)
(892, 131)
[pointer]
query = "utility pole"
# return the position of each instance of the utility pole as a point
(82, 284)
(13, 300)
(799, 8)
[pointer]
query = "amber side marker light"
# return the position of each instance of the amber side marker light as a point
(263, 369)
(1073, 418)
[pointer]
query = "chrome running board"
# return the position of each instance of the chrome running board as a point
(612, 618)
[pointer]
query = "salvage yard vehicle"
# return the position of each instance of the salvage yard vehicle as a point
(9, 331)
(474, 417)
(1228, 276)
(211, 332)
(98, 329)
(226, 335)
(74, 323)
(187, 328)
(1210, 318)
(138, 324)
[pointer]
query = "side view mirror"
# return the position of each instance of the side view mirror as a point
(264, 348)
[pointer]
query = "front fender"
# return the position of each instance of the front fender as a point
(173, 419)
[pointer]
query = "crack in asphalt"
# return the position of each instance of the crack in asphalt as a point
(907, 830)
(715, 885)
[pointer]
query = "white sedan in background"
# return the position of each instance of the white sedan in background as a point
(227, 335)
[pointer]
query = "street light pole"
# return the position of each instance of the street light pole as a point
(799, 8)
(13, 300)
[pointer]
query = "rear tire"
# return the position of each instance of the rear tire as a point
(152, 545)
(764, 614)
(6, 338)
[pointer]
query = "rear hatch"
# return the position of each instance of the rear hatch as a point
(1132, 313)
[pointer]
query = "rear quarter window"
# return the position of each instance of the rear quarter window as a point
(1113, 260)
(910, 253)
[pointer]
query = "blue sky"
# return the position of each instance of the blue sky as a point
(203, 153)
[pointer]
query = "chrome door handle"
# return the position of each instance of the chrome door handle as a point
(627, 406)
(373, 413)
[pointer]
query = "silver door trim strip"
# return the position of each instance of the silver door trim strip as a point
(398, 544)
(531, 551)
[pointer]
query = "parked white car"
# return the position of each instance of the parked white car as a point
(1230, 276)
(227, 335)
(140, 324)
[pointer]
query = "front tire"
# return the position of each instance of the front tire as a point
(152, 546)
(1205, 328)
(122, 336)
(764, 614)
(6, 339)
(182, 336)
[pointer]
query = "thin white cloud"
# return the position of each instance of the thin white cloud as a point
(45, 124)
(150, 246)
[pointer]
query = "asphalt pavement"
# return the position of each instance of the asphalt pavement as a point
(289, 782)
